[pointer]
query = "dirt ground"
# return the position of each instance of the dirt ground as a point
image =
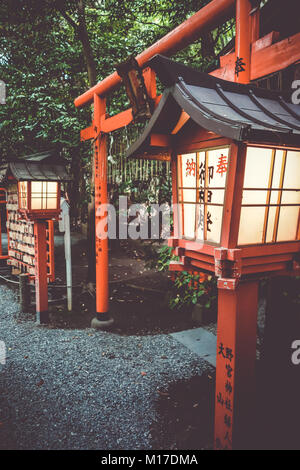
(139, 306)
(137, 294)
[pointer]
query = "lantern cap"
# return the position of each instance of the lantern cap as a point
(45, 166)
(232, 110)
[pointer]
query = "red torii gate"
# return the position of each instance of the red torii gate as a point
(207, 18)
(265, 58)
(260, 58)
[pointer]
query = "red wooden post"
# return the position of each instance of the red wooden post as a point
(236, 357)
(255, 24)
(243, 41)
(0, 237)
(41, 283)
(174, 195)
(1, 248)
(100, 161)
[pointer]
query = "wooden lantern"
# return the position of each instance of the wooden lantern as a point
(235, 153)
(39, 199)
(35, 202)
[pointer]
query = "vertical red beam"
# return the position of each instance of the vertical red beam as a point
(175, 195)
(7, 231)
(255, 25)
(150, 82)
(0, 237)
(234, 195)
(50, 243)
(101, 200)
(243, 41)
(2, 202)
(41, 284)
(236, 357)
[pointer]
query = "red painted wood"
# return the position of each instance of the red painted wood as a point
(150, 82)
(116, 122)
(235, 373)
(160, 140)
(175, 195)
(277, 57)
(243, 39)
(266, 41)
(101, 199)
(270, 249)
(228, 59)
(229, 213)
(266, 61)
(255, 26)
(41, 285)
(87, 133)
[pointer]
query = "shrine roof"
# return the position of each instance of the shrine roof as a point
(37, 167)
(236, 111)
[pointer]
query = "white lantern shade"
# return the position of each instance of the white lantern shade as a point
(44, 195)
(270, 211)
(38, 195)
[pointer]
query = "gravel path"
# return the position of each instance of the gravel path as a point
(81, 389)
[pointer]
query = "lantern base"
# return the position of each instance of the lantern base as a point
(102, 321)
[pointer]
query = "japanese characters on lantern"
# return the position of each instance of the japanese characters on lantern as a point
(201, 192)
(270, 211)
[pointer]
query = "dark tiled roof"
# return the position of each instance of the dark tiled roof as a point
(239, 112)
(37, 167)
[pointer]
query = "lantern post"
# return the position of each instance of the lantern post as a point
(3, 200)
(41, 282)
(236, 356)
(39, 202)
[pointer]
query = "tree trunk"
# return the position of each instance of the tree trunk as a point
(86, 45)
(82, 34)
(92, 74)
(74, 186)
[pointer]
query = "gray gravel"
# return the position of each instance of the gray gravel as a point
(81, 389)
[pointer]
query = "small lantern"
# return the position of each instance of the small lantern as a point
(235, 156)
(34, 186)
(39, 199)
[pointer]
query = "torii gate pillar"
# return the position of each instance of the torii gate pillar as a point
(102, 319)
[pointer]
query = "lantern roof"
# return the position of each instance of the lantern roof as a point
(232, 110)
(45, 166)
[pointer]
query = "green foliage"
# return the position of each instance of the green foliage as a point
(44, 63)
(160, 259)
(188, 291)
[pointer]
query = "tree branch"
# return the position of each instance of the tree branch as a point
(69, 19)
